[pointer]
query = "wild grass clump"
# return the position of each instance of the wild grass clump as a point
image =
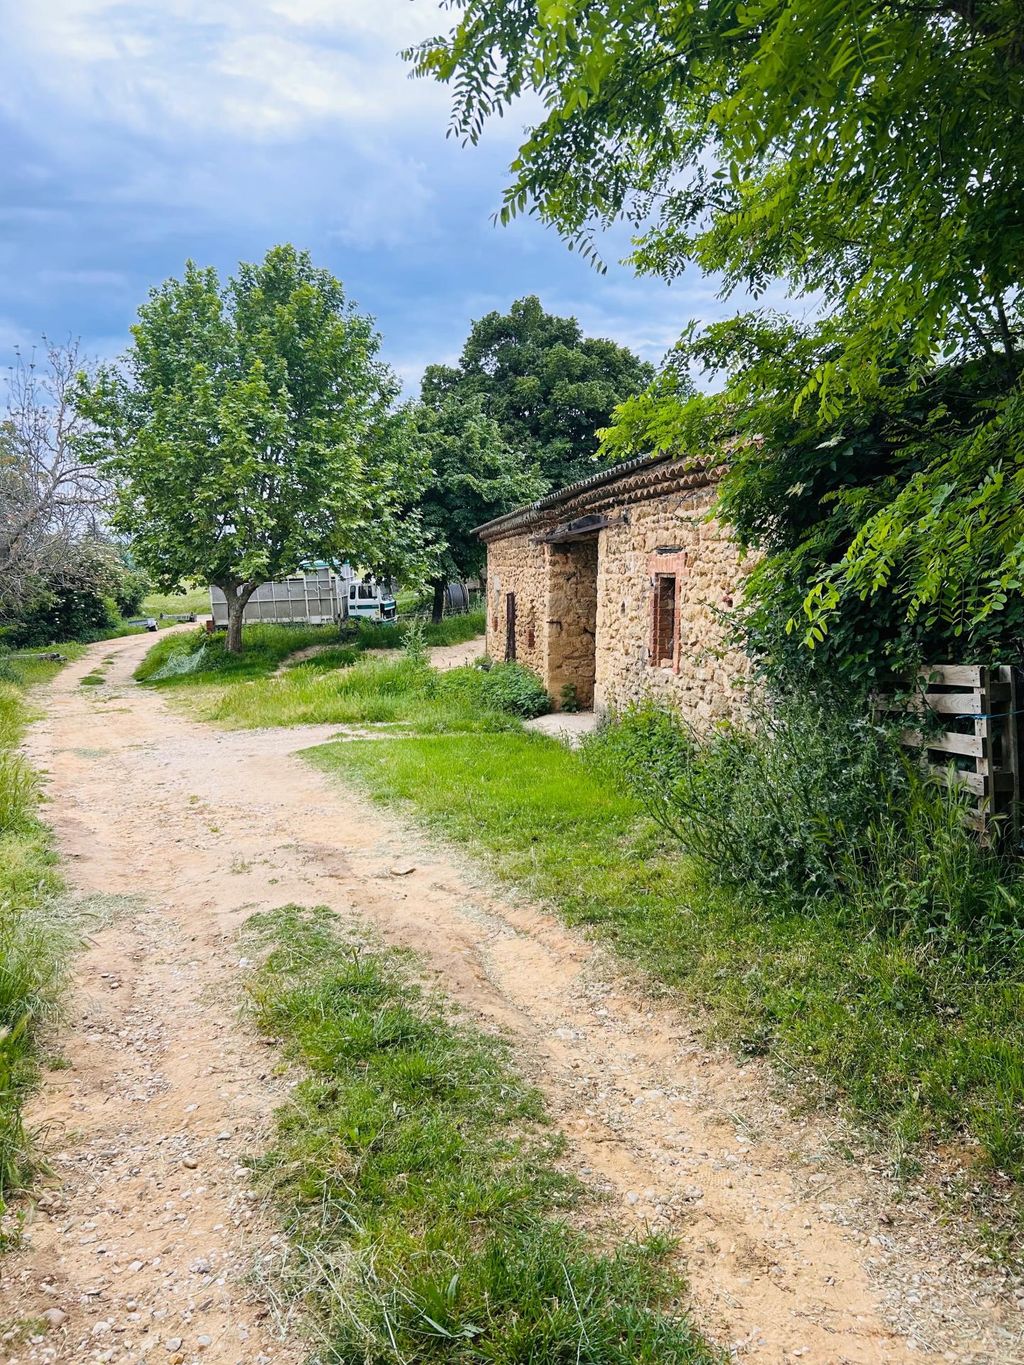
(451, 630)
(399, 690)
(813, 803)
(33, 942)
(197, 656)
(418, 1181)
(17, 792)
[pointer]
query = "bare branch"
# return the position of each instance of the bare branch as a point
(50, 499)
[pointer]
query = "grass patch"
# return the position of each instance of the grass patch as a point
(419, 1185)
(923, 1043)
(34, 941)
(26, 668)
(195, 657)
(94, 679)
(452, 630)
(328, 659)
(195, 601)
(393, 691)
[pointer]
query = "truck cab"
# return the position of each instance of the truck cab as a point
(369, 601)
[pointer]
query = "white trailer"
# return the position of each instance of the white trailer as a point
(320, 594)
(315, 596)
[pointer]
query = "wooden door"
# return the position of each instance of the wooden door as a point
(510, 625)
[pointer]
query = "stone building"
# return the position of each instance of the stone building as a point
(619, 588)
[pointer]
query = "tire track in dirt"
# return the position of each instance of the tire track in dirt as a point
(791, 1254)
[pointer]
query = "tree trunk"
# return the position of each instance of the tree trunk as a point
(237, 596)
(437, 611)
(235, 613)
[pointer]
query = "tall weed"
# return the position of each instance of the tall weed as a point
(17, 792)
(815, 804)
(33, 941)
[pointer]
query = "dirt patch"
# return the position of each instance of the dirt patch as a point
(444, 657)
(791, 1253)
(571, 727)
(441, 657)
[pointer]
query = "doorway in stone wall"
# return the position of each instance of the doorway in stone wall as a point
(572, 623)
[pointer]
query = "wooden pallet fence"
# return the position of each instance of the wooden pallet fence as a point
(978, 744)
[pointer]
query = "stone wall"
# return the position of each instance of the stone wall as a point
(706, 678)
(584, 607)
(572, 620)
(516, 566)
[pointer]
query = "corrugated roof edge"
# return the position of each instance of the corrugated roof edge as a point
(573, 490)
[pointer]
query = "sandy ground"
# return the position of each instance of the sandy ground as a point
(151, 1233)
(568, 726)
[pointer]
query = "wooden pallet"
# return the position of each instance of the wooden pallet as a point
(980, 747)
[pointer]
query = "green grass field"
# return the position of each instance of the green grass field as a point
(924, 1047)
(417, 1179)
(195, 600)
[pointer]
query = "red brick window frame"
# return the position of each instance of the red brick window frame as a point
(668, 569)
(665, 622)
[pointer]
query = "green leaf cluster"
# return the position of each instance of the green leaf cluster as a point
(475, 475)
(547, 387)
(890, 536)
(870, 157)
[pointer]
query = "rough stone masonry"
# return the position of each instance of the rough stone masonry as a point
(620, 588)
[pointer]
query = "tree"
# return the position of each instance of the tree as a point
(823, 504)
(547, 386)
(868, 155)
(50, 498)
(251, 428)
(474, 477)
(84, 599)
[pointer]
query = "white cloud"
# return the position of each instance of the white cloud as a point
(261, 69)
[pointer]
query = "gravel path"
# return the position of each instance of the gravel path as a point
(145, 1245)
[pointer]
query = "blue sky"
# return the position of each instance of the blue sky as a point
(137, 133)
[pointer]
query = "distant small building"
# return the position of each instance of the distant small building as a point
(619, 588)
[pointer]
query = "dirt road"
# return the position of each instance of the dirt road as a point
(152, 1234)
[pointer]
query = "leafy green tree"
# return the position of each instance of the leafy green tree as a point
(474, 477)
(250, 428)
(547, 386)
(868, 155)
(823, 503)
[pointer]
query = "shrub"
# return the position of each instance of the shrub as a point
(508, 687)
(812, 804)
